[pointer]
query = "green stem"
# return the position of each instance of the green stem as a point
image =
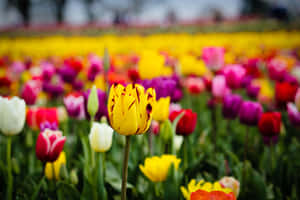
(125, 168)
(37, 189)
(101, 177)
(245, 156)
(9, 172)
(185, 153)
(94, 170)
(214, 126)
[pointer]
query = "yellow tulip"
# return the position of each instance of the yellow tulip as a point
(57, 165)
(130, 108)
(193, 186)
(190, 65)
(161, 109)
(156, 168)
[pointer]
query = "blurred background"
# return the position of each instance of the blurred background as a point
(37, 13)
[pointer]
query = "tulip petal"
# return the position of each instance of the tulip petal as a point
(56, 148)
(42, 147)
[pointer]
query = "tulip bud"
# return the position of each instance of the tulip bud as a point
(101, 137)
(166, 130)
(178, 139)
(93, 103)
(74, 177)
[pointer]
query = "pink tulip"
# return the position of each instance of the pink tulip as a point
(234, 75)
(277, 69)
(30, 91)
(74, 104)
(219, 87)
(213, 57)
(49, 144)
(195, 85)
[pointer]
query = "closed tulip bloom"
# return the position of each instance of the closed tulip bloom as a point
(61, 160)
(219, 87)
(49, 144)
(156, 168)
(187, 123)
(285, 92)
(293, 114)
(30, 91)
(101, 137)
(130, 108)
(161, 109)
(195, 85)
(250, 113)
(231, 106)
(12, 115)
(234, 75)
(74, 104)
(269, 124)
(102, 109)
(213, 57)
(232, 183)
(277, 69)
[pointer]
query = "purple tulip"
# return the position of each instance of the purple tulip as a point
(54, 88)
(250, 113)
(231, 106)
(95, 67)
(68, 74)
(253, 90)
(75, 106)
(102, 110)
(30, 91)
(293, 114)
(48, 70)
(234, 75)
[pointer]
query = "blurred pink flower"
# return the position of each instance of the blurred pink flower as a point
(213, 57)
(234, 75)
(219, 87)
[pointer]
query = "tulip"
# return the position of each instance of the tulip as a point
(187, 122)
(95, 67)
(277, 69)
(161, 109)
(130, 109)
(156, 168)
(36, 116)
(101, 109)
(55, 167)
(213, 57)
(214, 195)
(74, 104)
(100, 137)
(130, 113)
(48, 125)
(54, 88)
(232, 183)
(12, 119)
(48, 71)
(195, 85)
(30, 91)
(293, 114)
(231, 106)
(285, 92)
(178, 139)
(219, 87)
(234, 75)
(269, 124)
(253, 90)
(208, 190)
(49, 144)
(154, 127)
(250, 113)
(68, 74)
(12, 115)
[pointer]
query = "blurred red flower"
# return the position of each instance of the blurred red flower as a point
(187, 123)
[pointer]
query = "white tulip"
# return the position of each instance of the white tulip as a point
(12, 115)
(178, 139)
(101, 137)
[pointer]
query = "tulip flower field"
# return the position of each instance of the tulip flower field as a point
(161, 116)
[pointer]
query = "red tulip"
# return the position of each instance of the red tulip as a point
(269, 124)
(285, 92)
(194, 85)
(36, 116)
(213, 195)
(187, 123)
(49, 144)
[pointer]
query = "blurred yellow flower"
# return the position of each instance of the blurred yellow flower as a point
(193, 186)
(189, 65)
(61, 160)
(161, 109)
(156, 168)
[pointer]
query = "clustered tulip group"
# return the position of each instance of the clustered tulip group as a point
(151, 117)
